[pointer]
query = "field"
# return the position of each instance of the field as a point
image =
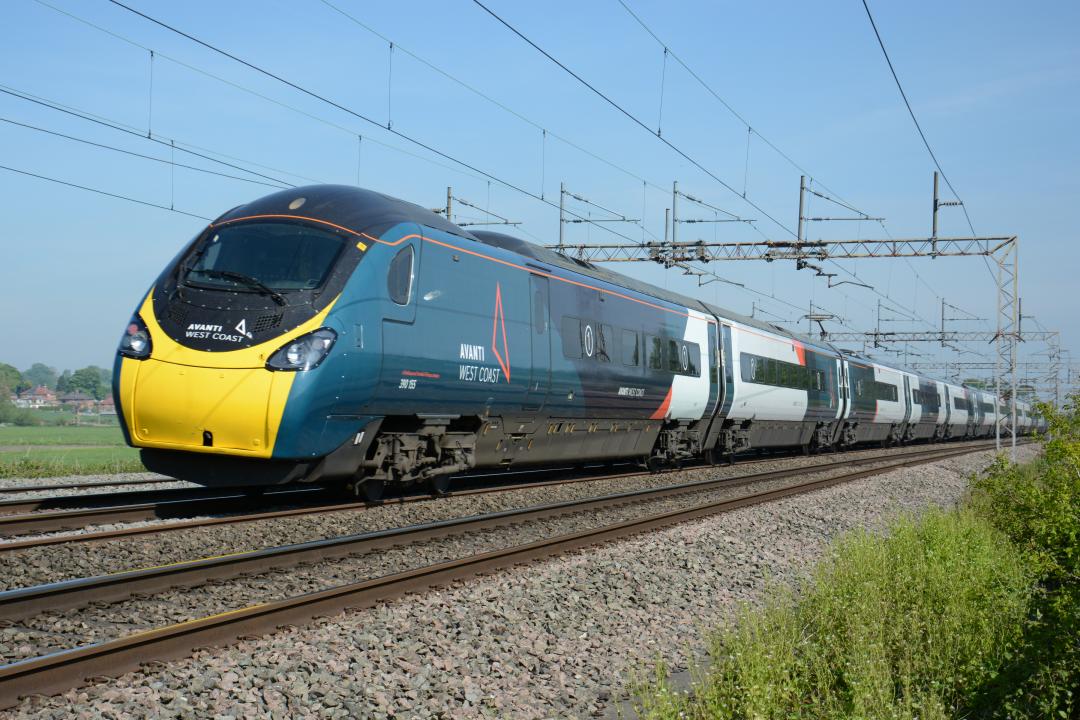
(64, 450)
(104, 435)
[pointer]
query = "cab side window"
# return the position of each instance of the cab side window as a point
(399, 279)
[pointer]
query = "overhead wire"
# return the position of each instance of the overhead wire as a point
(68, 110)
(708, 88)
(914, 119)
(686, 156)
(922, 135)
(103, 192)
(254, 93)
(481, 94)
(138, 155)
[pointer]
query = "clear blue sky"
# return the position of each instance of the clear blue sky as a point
(994, 84)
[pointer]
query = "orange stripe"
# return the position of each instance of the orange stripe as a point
(661, 412)
(288, 217)
(470, 252)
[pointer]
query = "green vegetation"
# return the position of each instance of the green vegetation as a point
(1038, 507)
(40, 374)
(94, 381)
(11, 379)
(104, 435)
(970, 613)
(47, 462)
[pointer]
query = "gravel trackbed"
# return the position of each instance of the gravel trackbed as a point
(552, 639)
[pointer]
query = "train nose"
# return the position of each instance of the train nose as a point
(207, 409)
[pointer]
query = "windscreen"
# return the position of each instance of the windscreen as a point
(279, 256)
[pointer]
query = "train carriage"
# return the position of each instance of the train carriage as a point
(785, 390)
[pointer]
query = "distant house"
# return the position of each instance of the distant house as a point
(77, 401)
(39, 397)
(107, 406)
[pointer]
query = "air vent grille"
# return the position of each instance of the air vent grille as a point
(267, 322)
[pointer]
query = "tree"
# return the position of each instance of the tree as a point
(41, 374)
(88, 380)
(11, 379)
(62, 382)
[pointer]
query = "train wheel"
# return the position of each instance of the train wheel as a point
(654, 464)
(439, 485)
(372, 490)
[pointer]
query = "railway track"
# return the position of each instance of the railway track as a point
(82, 485)
(25, 517)
(66, 668)
(34, 516)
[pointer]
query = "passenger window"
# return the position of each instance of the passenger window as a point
(772, 372)
(571, 338)
(655, 347)
(607, 336)
(693, 356)
(673, 355)
(630, 348)
(399, 280)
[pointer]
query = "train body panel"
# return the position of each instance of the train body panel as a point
(334, 334)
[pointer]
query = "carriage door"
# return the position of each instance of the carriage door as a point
(908, 414)
(842, 389)
(540, 364)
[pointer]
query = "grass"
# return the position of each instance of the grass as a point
(105, 435)
(971, 613)
(47, 462)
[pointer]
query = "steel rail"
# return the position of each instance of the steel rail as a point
(21, 603)
(79, 486)
(315, 509)
(64, 669)
(26, 523)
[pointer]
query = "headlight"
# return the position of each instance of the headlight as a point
(304, 352)
(135, 343)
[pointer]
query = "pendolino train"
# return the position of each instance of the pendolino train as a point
(336, 335)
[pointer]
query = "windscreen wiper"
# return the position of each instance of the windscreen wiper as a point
(243, 279)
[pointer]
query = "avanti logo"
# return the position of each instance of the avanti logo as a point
(241, 327)
(498, 322)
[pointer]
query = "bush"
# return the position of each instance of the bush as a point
(14, 415)
(972, 613)
(1038, 507)
(894, 627)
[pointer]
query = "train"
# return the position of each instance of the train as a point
(336, 335)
